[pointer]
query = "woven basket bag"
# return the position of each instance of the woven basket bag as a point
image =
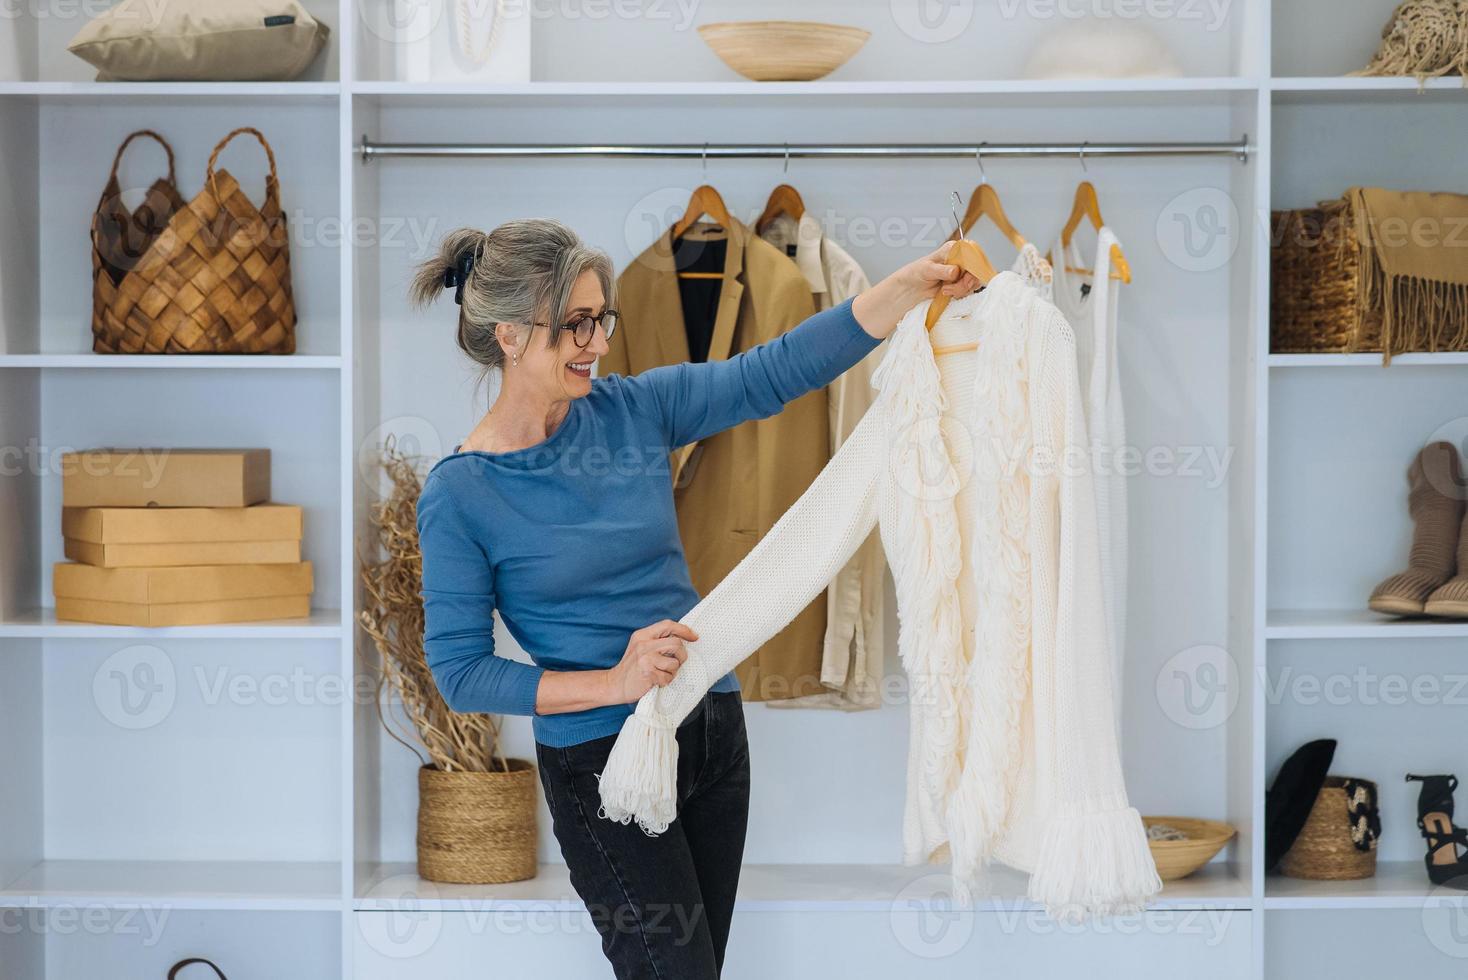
(213, 278)
(1338, 842)
(1315, 279)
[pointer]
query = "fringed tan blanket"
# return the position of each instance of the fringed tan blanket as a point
(1414, 267)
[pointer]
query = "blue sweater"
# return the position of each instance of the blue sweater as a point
(575, 540)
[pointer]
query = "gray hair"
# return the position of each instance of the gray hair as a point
(523, 272)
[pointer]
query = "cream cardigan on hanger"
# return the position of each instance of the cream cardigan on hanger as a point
(976, 473)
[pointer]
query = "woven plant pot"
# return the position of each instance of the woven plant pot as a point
(1324, 850)
(212, 276)
(1315, 284)
(477, 828)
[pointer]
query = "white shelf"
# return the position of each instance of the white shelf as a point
(775, 888)
(1372, 83)
(293, 886)
(125, 90)
(1128, 86)
(1396, 885)
(43, 624)
(233, 362)
(1439, 359)
(1354, 624)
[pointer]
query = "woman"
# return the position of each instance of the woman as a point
(557, 510)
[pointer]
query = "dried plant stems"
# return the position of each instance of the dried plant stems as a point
(392, 614)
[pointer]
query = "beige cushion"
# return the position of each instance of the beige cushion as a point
(201, 40)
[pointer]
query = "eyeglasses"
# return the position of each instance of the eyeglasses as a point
(584, 328)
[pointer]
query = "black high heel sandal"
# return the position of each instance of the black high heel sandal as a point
(1435, 819)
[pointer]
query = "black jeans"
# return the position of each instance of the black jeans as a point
(662, 904)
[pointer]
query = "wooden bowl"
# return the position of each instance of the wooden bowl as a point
(783, 50)
(1180, 858)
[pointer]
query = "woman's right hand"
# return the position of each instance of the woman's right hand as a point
(652, 659)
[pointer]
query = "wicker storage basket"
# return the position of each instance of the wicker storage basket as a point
(213, 278)
(1324, 851)
(477, 828)
(1315, 278)
(1179, 858)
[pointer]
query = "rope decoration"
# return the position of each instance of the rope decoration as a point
(1425, 39)
(477, 54)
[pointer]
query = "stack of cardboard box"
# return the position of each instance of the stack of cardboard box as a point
(175, 537)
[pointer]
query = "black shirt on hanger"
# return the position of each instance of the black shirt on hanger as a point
(700, 296)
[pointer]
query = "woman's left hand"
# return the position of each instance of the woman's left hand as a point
(878, 309)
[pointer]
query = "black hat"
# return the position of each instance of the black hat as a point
(1288, 802)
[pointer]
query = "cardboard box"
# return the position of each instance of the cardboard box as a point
(159, 525)
(164, 554)
(165, 478)
(181, 584)
(182, 613)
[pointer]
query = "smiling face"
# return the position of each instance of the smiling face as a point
(563, 370)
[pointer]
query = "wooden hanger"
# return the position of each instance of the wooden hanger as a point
(985, 201)
(1087, 206)
(970, 258)
(783, 200)
(704, 201)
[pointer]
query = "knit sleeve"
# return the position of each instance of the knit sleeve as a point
(458, 615)
(778, 578)
(697, 400)
(1093, 856)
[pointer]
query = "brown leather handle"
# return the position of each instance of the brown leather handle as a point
(173, 971)
(214, 157)
(117, 160)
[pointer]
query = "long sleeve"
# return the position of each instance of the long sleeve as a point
(779, 577)
(458, 615)
(1093, 856)
(696, 400)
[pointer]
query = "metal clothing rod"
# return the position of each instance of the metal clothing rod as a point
(779, 151)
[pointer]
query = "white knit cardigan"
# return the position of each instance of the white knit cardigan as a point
(1012, 751)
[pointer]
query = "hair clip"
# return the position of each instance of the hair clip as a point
(456, 275)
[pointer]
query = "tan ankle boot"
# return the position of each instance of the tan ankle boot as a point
(1451, 600)
(1435, 502)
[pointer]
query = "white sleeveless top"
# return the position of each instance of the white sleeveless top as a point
(1088, 300)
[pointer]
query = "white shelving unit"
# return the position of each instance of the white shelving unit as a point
(265, 820)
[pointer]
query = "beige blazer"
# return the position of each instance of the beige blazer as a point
(732, 487)
(854, 651)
